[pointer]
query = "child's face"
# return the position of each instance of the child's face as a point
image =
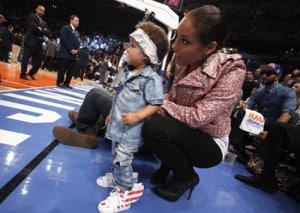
(135, 55)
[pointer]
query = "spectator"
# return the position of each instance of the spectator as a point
(50, 54)
(16, 47)
(6, 42)
(249, 86)
(83, 62)
(274, 101)
(68, 52)
(33, 43)
(192, 128)
(280, 138)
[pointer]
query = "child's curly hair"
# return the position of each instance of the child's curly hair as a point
(157, 35)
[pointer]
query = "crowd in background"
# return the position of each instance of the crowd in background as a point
(104, 49)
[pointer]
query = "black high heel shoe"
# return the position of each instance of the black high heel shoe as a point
(160, 176)
(173, 191)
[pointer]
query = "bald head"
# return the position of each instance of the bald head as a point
(40, 10)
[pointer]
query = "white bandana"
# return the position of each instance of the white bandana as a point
(146, 44)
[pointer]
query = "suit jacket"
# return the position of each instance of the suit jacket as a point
(69, 40)
(36, 28)
(6, 38)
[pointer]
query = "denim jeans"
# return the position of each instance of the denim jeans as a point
(122, 164)
(94, 109)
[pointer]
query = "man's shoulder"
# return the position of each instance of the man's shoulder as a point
(260, 90)
(32, 16)
(285, 91)
(283, 88)
(66, 27)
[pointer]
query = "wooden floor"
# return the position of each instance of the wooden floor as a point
(10, 78)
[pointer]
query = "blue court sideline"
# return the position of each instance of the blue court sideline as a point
(39, 175)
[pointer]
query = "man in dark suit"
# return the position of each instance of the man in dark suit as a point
(2, 21)
(68, 52)
(36, 29)
(7, 37)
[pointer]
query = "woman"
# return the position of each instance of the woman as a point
(193, 124)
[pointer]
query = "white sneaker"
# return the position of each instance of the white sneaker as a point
(121, 200)
(106, 181)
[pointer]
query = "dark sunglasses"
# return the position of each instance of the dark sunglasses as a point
(268, 73)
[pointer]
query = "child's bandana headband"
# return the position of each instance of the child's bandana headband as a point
(147, 45)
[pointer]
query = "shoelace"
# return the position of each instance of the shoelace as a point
(108, 180)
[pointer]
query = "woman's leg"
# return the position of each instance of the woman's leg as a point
(179, 146)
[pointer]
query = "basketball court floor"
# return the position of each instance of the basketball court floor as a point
(40, 175)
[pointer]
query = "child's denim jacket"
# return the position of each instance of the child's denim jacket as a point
(134, 93)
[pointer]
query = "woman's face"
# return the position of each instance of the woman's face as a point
(187, 47)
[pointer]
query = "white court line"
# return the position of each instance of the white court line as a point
(39, 101)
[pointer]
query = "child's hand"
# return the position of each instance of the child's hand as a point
(129, 117)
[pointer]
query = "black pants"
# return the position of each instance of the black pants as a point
(4, 50)
(65, 66)
(49, 63)
(281, 137)
(36, 55)
(79, 71)
(94, 109)
(180, 147)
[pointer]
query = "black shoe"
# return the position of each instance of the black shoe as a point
(24, 77)
(173, 191)
(160, 176)
(60, 85)
(267, 185)
(32, 77)
(68, 86)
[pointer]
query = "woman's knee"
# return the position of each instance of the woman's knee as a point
(151, 127)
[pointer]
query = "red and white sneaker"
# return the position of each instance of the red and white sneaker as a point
(121, 200)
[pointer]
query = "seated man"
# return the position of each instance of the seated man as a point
(89, 120)
(281, 137)
(91, 117)
(274, 101)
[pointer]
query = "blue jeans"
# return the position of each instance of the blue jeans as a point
(122, 164)
(94, 109)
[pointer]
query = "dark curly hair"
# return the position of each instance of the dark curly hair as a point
(157, 35)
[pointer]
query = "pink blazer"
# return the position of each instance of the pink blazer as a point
(204, 98)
